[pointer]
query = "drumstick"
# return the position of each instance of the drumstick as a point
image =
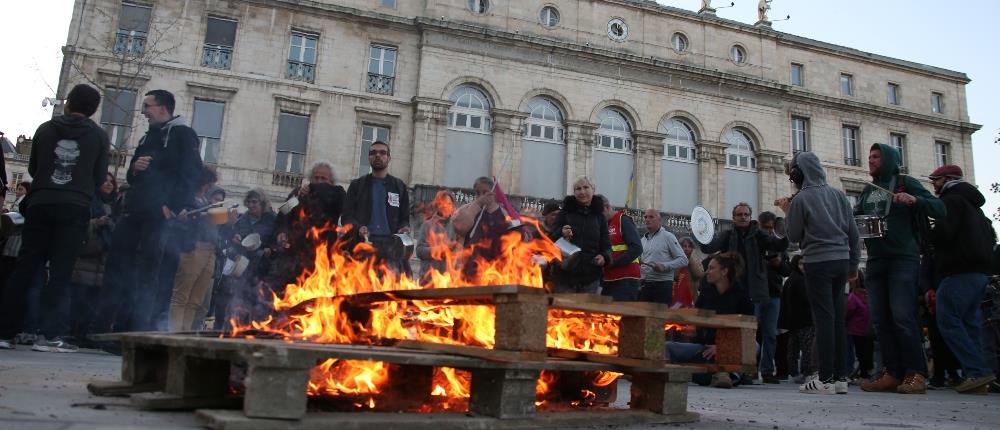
(883, 189)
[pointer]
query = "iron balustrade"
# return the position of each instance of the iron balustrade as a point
(217, 56)
(380, 84)
(300, 71)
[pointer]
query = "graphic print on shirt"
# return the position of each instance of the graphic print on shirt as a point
(67, 152)
(875, 202)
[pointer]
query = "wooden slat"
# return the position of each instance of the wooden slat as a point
(656, 311)
(624, 363)
(474, 351)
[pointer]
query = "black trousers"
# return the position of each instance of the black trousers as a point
(128, 298)
(53, 234)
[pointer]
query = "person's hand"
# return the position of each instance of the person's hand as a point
(486, 199)
(104, 220)
(904, 198)
(237, 239)
(404, 230)
(658, 267)
(567, 232)
(167, 213)
(142, 163)
(282, 240)
(183, 216)
(784, 204)
(363, 231)
(599, 260)
(852, 276)
(709, 352)
(304, 189)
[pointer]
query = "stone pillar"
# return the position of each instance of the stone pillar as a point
(648, 169)
(711, 173)
(506, 159)
(430, 121)
(579, 151)
(772, 181)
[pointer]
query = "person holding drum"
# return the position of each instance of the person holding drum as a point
(818, 217)
(893, 266)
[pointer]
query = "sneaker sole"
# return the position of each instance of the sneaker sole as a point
(52, 349)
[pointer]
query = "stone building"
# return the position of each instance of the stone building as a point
(696, 108)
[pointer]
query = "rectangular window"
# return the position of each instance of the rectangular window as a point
(846, 84)
(369, 134)
(133, 25)
(302, 57)
(893, 93)
(381, 69)
(389, 3)
(898, 141)
(220, 37)
(800, 134)
(849, 135)
(797, 74)
(937, 104)
(207, 122)
(293, 132)
(941, 153)
(117, 110)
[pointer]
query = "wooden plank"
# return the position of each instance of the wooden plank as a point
(624, 363)
(170, 402)
(474, 351)
(655, 311)
(121, 388)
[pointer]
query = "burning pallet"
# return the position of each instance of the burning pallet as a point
(192, 371)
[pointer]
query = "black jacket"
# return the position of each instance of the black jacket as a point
(733, 301)
(776, 275)
(358, 207)
(69, 161)
(795, 312)
(751, 243)
(963, 238)
(590, 233)
(173, 174)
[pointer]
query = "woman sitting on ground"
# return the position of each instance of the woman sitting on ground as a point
(723, 294)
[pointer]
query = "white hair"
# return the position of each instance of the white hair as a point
(584, 179)
(322, 163)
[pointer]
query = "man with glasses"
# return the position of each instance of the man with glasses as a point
(378, 205)
(753, 244)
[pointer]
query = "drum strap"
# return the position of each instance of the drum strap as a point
(888, 203)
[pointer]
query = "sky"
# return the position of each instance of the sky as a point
(959, 35)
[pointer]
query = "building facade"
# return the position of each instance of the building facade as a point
(690, 108)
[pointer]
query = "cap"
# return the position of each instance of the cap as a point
(949, 170)
(549, 208)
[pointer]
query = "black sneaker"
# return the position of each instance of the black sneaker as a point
(54, 345)
(770, 379)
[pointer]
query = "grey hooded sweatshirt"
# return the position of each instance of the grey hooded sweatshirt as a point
(821, 218)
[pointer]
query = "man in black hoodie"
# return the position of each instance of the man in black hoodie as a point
(963, 241)
(164, 173)
(69, 161)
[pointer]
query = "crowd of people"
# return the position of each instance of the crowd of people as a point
(163, 253)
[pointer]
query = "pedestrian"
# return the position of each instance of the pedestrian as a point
(797, 319)
(963, 242)
(550, 213)
(236, 292)
(621, 274)
(818, 218)
(893, 267)
(480, 224)
(163, 177)
(687, 278)
(436, 235)
(88, 272)
(859, 322)
(778, 268)
(754, 244)
(196, 267)
(582, 224)
(69, 161)
(662, 254)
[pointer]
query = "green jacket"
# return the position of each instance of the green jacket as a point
(900, 240)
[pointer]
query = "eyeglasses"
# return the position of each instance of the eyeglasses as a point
(378, 152)
(741, 215)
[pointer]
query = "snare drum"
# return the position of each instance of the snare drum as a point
(870, 226)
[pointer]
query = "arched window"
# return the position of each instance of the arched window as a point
(479, 6)
(679, 42)
(470, 111)
(738, 54)
(739, 153)
(679, 143)
(614, 132)
(545, 120)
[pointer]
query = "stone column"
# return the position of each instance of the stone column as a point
(430, 121)
(648, 169)
(579, 151)
(711, 174)
(772, 181)
(506, 159)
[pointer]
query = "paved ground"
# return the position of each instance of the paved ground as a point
(47, 391)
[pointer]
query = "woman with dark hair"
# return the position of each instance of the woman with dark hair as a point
(582, 222)
(722, 293)
(88, 272)
(796, 317)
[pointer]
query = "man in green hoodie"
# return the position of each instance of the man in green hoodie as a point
(892, 270)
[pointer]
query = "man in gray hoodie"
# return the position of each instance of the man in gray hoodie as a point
(819, 218)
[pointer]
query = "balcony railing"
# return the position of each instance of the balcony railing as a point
(300, 71)
(380, 84)
(856, 162)
(217, 56)
(286, 179)
(13, 156)
(130, 42)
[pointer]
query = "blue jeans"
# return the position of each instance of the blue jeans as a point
(892, 294)
(681, 352)
(657, 292)
(622, 290)
(958, 315)
(767, 324)
(825, 287)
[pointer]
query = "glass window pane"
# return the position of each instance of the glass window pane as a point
(221, 32)
(461, 120)
(281, 161)
(309, 56)
(134, 18)
(118, 107)
(207, 119)
(549, 133)
(536, 131)
(671, 150)
(683, 152)
(475, 122)
(293, 131)
(383, 134)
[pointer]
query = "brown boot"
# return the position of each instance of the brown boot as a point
(885, 383)
(913, 383)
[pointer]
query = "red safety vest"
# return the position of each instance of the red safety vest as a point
(618, 248)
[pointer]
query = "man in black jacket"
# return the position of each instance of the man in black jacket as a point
(378, 204)
(69, 161)
(164, 173)
(962, 240)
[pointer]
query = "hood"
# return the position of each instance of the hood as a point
(571, 205)
(967, 191)
(177, 120)
(890, 163)
(72, 126)
(812, 170)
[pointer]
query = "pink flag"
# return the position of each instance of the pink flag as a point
(502, 200)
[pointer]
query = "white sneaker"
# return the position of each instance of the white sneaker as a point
(840, 387)
(6, 344)
(816, 386)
